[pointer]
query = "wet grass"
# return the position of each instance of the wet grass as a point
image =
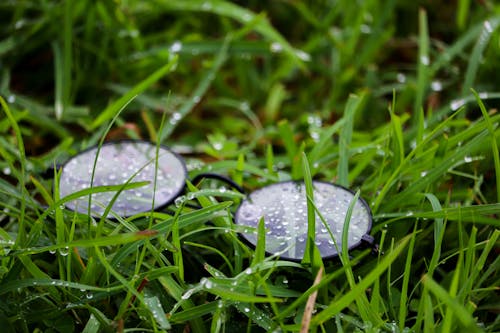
(395, 101)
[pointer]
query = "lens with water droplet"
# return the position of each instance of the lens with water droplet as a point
(118, 163)
(284, 209)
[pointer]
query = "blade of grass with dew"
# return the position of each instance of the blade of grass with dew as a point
(198, 92)
(480, 263)
(362, 302)
(185, 220)
(59, 78)
(113, 108)
(260, 248)
(308, 257)
(494, 145)
(394, 175)
(439, 229)
(489, 27)
(342, 302)
(102, 241)
(21, 234)
(440, 170)
(244, 16)
(354, 103)
(403, 306)
(153, 304)
(287, 135)
(194, 312)
(463, 316)
(48, 282)
(422, 73)
(397, 134)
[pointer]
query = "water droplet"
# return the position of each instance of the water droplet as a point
(176, 47)
(401, 78)
(483, 95)
(303, 55)
(247, 310)
(467, 159)
(188, 293)
(175, 118)
(6, 171)
(52, 251)
(244, 106)
(64, 251)
(456, 104)
(206, 6)
(436, 86)
(365, 28)
(488, 27)
(217, 145)
(248, 271)
(424, 60)
(276, 47)
(247, 17)
(179, 201)
(190, 196)
(19, 24)
(209, 284)
(89, 295)
(196, 99)
(11, 99)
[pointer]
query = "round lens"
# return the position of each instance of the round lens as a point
(118, 163)
(284, 209)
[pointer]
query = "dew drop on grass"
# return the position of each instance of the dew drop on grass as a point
(11, 99)
(424, 60)
(89, 295)
(401, 78)
(303, 55)
(179, 201)
(436, 86)
(206, 6)
(188, 293)
(457, 104)
(218, 146)
(488, 27)
(64, 251)
(176, 47)
(276, 47)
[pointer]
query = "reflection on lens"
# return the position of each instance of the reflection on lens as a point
(284, 209)
(117, 163)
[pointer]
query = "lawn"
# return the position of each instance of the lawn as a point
(396, 101)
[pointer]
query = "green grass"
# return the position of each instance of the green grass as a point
(397, 101)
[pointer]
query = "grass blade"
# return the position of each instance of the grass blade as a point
(114, 108)
(354, 103)
(338, 305)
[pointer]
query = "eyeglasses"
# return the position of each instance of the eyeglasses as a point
(284, 209)
(283, 205)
